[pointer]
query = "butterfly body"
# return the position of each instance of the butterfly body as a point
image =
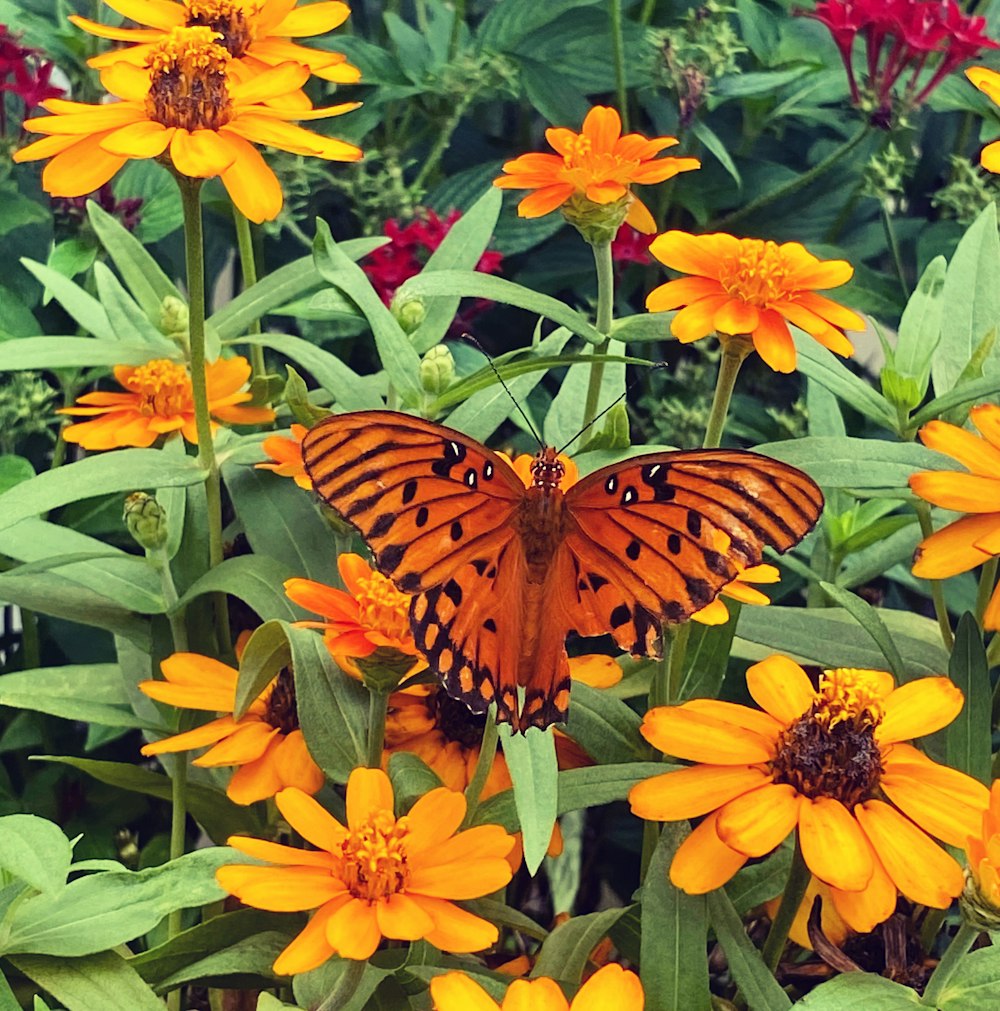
(501, 572)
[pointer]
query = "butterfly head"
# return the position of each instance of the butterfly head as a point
(547, 470)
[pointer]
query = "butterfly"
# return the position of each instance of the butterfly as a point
(501, 572)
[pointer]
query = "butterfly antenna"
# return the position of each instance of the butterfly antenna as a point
(496, 372)
(613, 404)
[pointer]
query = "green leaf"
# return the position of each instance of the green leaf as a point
(127, 320)
(19, 210)
(964, 393)
(505, 916)
(531, 759)
(8, 1002)
(14, 470)
(757, 883)
(333, 707)
(84, 308)
(120, 470)
(643, 327)
(920, 326)
(707, 655)
(265, 654)
(460, 249)
(717, 146)
(233, 964)
(565, 951)
(94, 693)
(564, 421)
(209, 806)
(971, 299)
(69, 353)
(411, 779)
(513, 21)
(16, 319)
(976, 983)
(868, 618)
(864, 991)
(604, 726)
(472, 284)
(102, 910)
(148, 284)
(674, 934)
(312, 988)
(255, 579)
(71, 257)
(968, 737)
(35, 851)
(760, 989)
(395, 350)
(103, 980)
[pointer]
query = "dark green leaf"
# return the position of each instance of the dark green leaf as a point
(35, 851)
(256, 579)
(968, 737)
(868, 618)
(264, 655)
(604, 726)
(864, 991)
(565, 951)
(103, 980)
(84, 308)
(531, 759)
(411, 779)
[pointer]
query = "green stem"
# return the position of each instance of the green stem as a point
(799, 877)
(955, 952)
(178, 839)
(441, 143)
(248, 265)
(31, 651)
(793, 185)
(346, 986)
(605, 316)
(456, 28)
(178, 627)
(987, 580)
(484, 765)
(650, 840)
(618, 50)
(194, 250)
(675, 664)
(734, 350)
(378, 708)
(646, 15)
(937, 593)
(897, 259)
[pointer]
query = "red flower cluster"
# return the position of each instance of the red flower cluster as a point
(631, 246)
(23, 72)
(902, 36)
(387, 268)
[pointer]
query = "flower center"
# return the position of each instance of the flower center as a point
(382, 607)
(757, 274)
(374, 857)
(582, 165)
(164, 388)
(831, 751)
(228, 19)
(187, 86)
(281, 712)
(455, 719)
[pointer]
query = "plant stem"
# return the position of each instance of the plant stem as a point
(937, 593)
(605, 316)
(799, 877)
(618, 49)
(195, 260)
(897, 259)
(378, 707)
(484, 765)
(178, 838)
(675, 664)
(346, 986)
(31, 652)
(955, 952)
(443, 140)
(248, 265)
(987, 579)
(734, 350)
(793, 185)
(646, 15)
(456, 28)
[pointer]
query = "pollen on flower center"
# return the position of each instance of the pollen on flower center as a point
(281, 712)
(758, 274)
(187, 87)
(163, 386)
(228, 19)
(381, 606)
(374, 857)
(831, 750)
(455, 720)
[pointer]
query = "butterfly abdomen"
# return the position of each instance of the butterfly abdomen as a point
(541, 522)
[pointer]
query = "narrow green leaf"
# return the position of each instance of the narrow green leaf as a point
(411, 779)
(84, 308)
(968, 737)
(964, 393)
(395, 350)
(312, 988)
(643, 327)
(920, 325)
(68, 353)
(868, 618)
(127, 320)
(714, 143)
(674, 934)
(234, 963)
(865, 991)
(707, 655)
(265, 654)
(505, 916)
(531, 759)
(565, 951)
(103, 980)
(759, 988)
(604, 726)
(759, 882)
(256, 579)
(8, 1002)
(35, 851)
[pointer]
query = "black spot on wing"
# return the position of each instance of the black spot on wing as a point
(381, 526)
(596, 581)
(421, 518)
(490, 625)
(620, 615)
(453, 592)
(409, 491)
(456, 531)
(694, 523)
(390, 557)
(674, 544)
(633, 550)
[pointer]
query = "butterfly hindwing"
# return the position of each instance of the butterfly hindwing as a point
(425, 498)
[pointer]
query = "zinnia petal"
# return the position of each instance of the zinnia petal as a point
(690, 733)
(703, 862)
(759, 821)
(919, 708)
(832, 844)
(689, 793)
(454, 991)
(780, 687)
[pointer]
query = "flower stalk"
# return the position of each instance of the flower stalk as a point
(950, 960)
(605, 316)
(248, 267)
(734, 351)
(378, 708)
(799, 877)
(937, 593)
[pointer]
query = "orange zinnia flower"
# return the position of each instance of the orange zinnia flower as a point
(159, 401)
(830, 762)
(610, 987)
(974, 539)
(378, 876)
(188, 98)
(982, 850)
(753, 288)
(286, 454)
(371, 614)
(716, 613)
(255, 32)
(988, 82)
(597, 164)
(265, 742)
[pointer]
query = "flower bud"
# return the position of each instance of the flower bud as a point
(383, 670)
(174, 318)
(437, 370)
(146, 521)
(597, 223)
(409, 313)
(978, 910)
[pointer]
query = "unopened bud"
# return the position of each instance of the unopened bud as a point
(174, 317)
(597, 223)
(146, 521)
(976, 908)
(437, 370)
(409, 313)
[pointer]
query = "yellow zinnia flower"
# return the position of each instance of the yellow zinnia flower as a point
(160, 400)
(265, 742)
(187, 99)
(598, 164)
(752, 288)
(974, 539)
(830, 762)
(378, 876)
(610, 987)
(982, 850)
(988, 82)
(255, 32)
(286, 456)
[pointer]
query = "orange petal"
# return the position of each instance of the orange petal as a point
(275, 853)
(773, 342)
(986, 417)
(688, 732)
(780, 687)
(245, 744)
(368, 792)
(737, 317)
(280, 889)
(313, 822)
(197, 738)
(759, 821)
(875, 903)
(737, 715)
(435, 817)
(400, 917)
(353, 931)
(251, 185)
(688, 793)
(703, 862)
(919, 708)
(457, 930)
(832, 844)
(310, 948)
(639, 217)
(697, 320)
(256, 780)
(610, 987)
(454, 991)
(544, 200)
(970, 450)
(683, 291)
(964, 493)
(954, 548)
